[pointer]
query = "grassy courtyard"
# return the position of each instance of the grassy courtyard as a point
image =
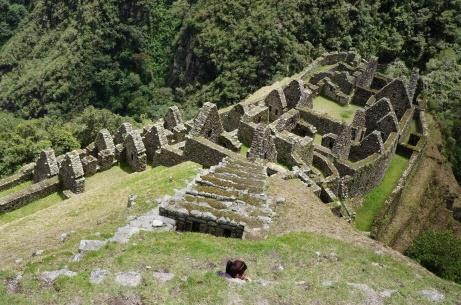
(334, 110)
(375, 199)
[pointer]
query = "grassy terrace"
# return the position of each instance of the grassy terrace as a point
(194, 259)
(101, 208)
(334, 110)
(318, 139)
(16, 188)
(375, 199)
(244, 150)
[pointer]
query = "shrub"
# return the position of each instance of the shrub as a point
(440, 252)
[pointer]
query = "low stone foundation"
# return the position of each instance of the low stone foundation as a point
(196, 221)
(34, 192)
(25, 173)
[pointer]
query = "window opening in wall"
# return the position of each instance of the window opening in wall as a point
(227, 233)
(195, 226)
(276, 111)
(132, 156)
(209, 133)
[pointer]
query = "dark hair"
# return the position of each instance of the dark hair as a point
(235, 268)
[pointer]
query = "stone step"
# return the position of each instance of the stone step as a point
(227, 182)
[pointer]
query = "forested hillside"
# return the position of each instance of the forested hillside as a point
(135, 58)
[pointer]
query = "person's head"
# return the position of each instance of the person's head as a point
(236, 268)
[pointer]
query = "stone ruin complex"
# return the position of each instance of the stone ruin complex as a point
(335, 158)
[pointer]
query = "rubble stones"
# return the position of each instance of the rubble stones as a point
(98, 275)
(131, 200)
(49, 277)
(91, 245)
(128, 279)
(163, 276)
(432, 295)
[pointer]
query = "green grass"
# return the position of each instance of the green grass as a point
(324, 68)
(244, 150)
(194, 259)
(101, 208)
(318, 139)
(31, 208)
(375, 199)
(334, 110)
(16, 188)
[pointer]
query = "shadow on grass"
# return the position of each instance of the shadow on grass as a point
(126, 168)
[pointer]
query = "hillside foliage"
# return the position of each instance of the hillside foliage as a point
(440, 252)
(136, 58)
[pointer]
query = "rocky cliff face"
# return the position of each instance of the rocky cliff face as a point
(188, 67)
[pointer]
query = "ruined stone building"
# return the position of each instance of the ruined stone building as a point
(336, 155)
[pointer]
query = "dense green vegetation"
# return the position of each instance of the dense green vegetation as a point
(440, 252)
(374, 200)
(135, 58)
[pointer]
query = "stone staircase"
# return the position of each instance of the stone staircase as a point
(225, 200)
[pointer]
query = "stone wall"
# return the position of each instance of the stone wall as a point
(293, 150)
(396, 92)
(34, 192)
(276, 103)
(207, 123)
(46, 166)
(371, 144)
(365, 76)
(263, 146)
(361, 96)
(379, 82)
(392, 202)
(246, 132)
(295, 94)
(205, 152)
(168, 156)
(135, 152)
(155, 138)
(230, 117)
(323, 123)
(71, 174)
(24, 173)
(367, 173)
(187, 221)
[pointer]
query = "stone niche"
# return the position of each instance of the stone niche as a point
(71, 174)
(135, 152)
